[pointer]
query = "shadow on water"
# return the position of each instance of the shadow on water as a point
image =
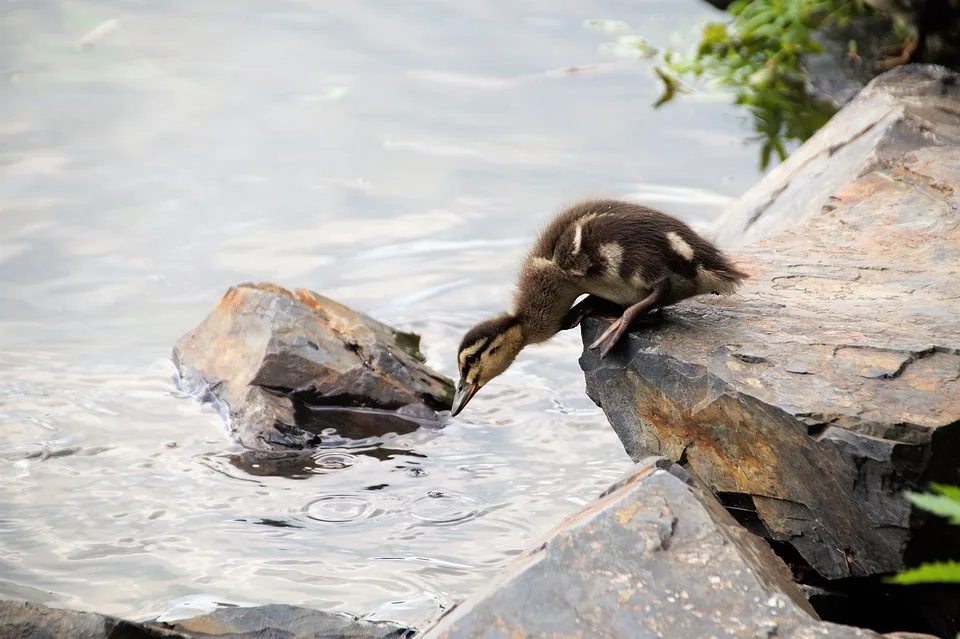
(357, 424)
(397, 166)
(304, 465)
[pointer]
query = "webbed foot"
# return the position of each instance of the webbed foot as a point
(649, 307)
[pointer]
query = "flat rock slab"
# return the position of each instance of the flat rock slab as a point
(809, 400)
(904, 109)
(296, 370)
(284, 622)
(654, 557)
(24, 620)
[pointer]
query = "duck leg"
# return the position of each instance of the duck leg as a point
(590, 305)
(661, 289)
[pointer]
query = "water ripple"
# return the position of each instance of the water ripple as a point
(333, 461)
(424, 236)
(439, 507)
(345, 508)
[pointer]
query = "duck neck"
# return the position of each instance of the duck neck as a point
(541, 303)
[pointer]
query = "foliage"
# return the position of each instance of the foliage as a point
(759, 56)
(945, 504)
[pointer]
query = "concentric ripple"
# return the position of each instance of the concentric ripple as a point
(333, 461)
(345, 508)
(441, 507)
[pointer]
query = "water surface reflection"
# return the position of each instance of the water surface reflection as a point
(392, 156)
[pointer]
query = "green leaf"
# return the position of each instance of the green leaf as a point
(715, 33)
(935, 572)
(737, 6)
(778, 147)
(953, 492)
(758, 57)
(760, 78)
(938, 505)
(765, 152)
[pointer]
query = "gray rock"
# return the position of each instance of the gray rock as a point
(833, 75)
(826, 386)
(24, 620)
(902, 110)
(276, 621)
(296, 370)
(653, 557)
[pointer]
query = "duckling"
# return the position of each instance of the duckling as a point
(620, 254)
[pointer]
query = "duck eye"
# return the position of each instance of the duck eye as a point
(471, 359)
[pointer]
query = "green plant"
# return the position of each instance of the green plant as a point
(759, 56)
(945, 504)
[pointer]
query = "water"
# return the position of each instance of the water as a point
(394, 156)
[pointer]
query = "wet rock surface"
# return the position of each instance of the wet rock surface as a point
(829, 384)
(904, 109)
(296, 370)
(24, 620)
(655, 556)
(284, 622)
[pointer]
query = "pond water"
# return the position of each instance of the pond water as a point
(392, 155)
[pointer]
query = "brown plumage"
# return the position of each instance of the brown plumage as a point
(618, 253)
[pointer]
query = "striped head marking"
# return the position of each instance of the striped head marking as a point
(487, 350)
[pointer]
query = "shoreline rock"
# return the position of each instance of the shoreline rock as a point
(655, 556)
(296, 370)
(282, 622)
(25, 620)
(831, 382)
(904, 109)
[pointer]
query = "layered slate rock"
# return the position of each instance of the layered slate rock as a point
(284, 622)
(293, 370)
(829, 384)
(655, 556)
(25, 620)
(901, 110)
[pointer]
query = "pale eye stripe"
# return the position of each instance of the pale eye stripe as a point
(498, 341)
(478, 345)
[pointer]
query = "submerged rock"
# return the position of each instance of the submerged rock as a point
(276, 621)
(655, 556)
(830, 383)
(294, 370)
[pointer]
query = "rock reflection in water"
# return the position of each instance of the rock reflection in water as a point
(357, 424)
(304, 465)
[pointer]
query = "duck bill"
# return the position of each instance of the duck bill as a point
(465, 393)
